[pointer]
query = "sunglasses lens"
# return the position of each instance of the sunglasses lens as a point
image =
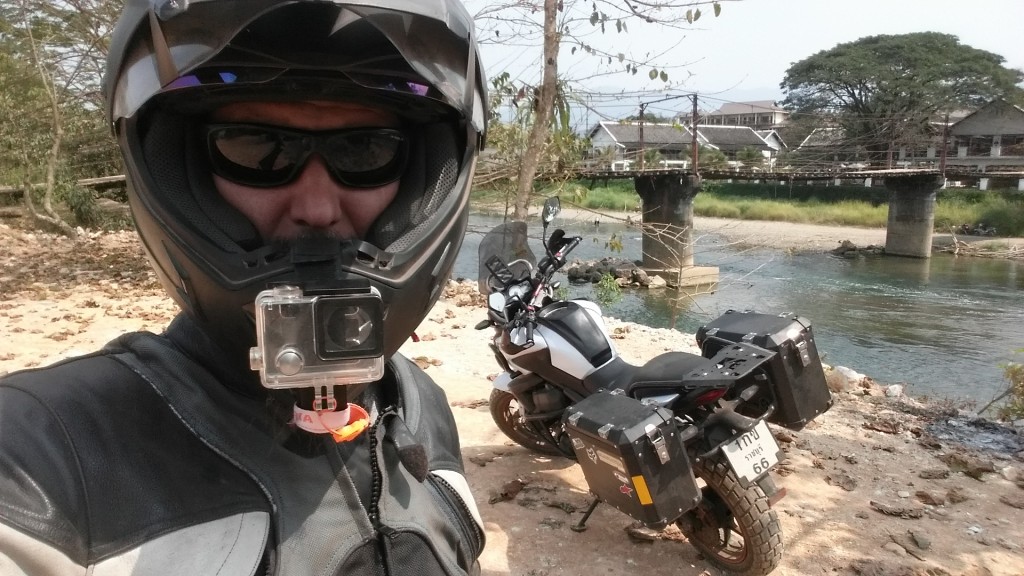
(366, 158)
(265, 156)
(253, 156)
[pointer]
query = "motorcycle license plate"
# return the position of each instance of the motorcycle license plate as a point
(753, 453)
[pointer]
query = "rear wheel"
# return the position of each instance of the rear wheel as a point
(507, 414)
(733, 527)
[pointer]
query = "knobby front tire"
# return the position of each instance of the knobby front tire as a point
(506, 414)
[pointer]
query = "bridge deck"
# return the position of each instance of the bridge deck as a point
(787, 176)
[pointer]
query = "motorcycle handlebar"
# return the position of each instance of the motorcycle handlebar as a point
(549, 265)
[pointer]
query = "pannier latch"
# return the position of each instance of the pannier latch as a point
(658, 441)
(801, 350)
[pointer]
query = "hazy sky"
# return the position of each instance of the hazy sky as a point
(744, 53)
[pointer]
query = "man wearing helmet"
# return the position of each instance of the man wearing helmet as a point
(299, 173)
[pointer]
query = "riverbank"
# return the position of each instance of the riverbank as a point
(878, 485)
(797, 236)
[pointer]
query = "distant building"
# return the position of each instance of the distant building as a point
(773, 139)
(738, 142)
(827, 148)
(617, 144)
(992, 137)
(758, 114)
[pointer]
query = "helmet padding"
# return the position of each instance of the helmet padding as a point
(429, 179)
(178, 167)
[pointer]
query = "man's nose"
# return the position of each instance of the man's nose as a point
(316, 199)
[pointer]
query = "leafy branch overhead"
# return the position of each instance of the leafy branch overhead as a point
(600, 19)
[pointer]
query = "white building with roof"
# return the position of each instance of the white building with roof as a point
(757, 114)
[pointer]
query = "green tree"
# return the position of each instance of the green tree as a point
(650, 118)
(884, 90)
(751, 157)
(513, 114)
(51, 61)
(653, 158)
(712, 158)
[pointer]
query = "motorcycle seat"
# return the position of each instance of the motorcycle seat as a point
(664, 373)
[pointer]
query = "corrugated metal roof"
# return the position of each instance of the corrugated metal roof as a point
(675, 135)
(748, 107)
(628, 134)
(824, 137)
(732, 136)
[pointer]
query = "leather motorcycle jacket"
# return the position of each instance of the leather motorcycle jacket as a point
(139, 460)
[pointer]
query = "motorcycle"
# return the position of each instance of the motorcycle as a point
(979, 229)
(682, 439)
(982, 230)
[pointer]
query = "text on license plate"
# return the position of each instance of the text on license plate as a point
(754, 453)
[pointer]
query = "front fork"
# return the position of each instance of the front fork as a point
(499, 358)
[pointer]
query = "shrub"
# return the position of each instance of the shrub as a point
(607, 290)
(1013, 409)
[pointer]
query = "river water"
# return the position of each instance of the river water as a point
(941, 326)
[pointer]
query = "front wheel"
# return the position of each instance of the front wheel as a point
(507, 414)
(733, 527)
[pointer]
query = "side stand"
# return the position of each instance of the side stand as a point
(581, 526)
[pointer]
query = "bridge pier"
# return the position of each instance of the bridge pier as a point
(911, 214)
(667, 233)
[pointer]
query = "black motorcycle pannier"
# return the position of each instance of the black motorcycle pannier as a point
(633, 457)
(797, 378)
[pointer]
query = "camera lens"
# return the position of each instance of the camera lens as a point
(348, 328)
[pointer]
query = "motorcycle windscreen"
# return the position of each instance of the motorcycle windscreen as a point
(506, 243)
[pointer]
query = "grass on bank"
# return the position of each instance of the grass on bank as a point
(813, 204)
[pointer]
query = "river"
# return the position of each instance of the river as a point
(941, 326)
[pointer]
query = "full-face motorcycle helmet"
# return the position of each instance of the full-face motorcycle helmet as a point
(172, 62)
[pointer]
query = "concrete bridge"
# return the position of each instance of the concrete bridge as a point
(667, 210)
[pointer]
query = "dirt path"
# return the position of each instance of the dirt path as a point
(951, 509)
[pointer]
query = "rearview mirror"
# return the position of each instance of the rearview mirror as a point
(552, 206)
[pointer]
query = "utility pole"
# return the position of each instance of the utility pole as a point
(945, 144)
(643, 106)
(693, 136)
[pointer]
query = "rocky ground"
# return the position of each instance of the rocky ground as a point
(879, 485)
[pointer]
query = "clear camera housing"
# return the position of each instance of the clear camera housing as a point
(308, 340)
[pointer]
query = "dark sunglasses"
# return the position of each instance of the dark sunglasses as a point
(267, 156)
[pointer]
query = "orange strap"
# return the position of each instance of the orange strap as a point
(358, 421)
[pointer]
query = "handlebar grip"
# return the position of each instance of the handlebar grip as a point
(556, 237)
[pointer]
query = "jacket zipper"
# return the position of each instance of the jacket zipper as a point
(472, 536)
(377, 487)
